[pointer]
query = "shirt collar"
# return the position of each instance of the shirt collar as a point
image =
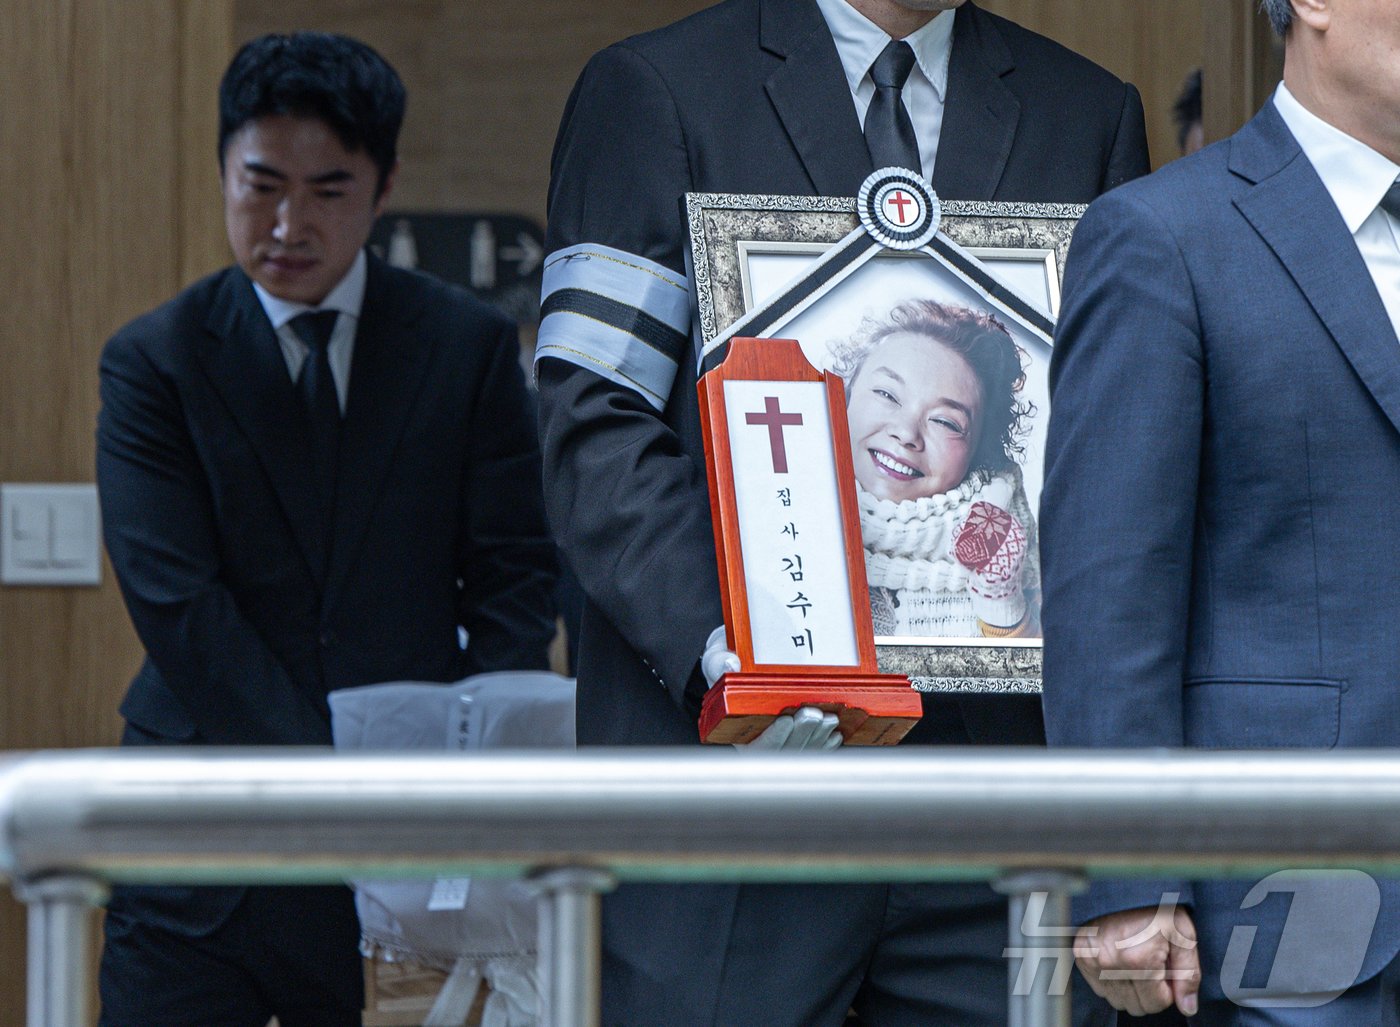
(1355, 175)
(859, 41)
(347, 297)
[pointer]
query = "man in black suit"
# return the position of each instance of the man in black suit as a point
(316, 471)
(796, 97)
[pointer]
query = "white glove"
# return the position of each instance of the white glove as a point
(718, 659)
(808, 728)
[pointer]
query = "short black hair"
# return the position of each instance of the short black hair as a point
(332, 78)
(1280, 14)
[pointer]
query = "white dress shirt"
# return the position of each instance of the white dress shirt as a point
(859, 41)
(1356, 177)
(347, 298)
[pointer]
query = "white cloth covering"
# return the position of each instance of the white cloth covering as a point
(478, 929)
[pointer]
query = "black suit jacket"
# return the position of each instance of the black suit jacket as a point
(248, 613)
(749, 97)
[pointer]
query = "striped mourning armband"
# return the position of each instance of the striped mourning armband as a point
(620, 316)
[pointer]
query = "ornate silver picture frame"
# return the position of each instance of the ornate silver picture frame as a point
(812, 268)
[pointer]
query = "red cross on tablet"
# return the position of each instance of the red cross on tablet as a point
(776, 422)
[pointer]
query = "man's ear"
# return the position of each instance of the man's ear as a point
(1315, 14)
(383, 199)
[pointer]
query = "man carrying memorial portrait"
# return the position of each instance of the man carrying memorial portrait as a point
(800, 99)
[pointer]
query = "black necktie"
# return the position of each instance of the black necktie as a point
(888, 131)
(1390, 202)
(317, 388)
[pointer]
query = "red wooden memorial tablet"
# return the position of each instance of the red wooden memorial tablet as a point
(791, 564)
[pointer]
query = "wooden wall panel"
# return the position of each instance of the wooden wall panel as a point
(1244, 56)
(1150, 43)
(96, 225)
(204, 45)
(486, 83)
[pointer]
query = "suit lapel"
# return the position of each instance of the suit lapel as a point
(1291, 209)
(979, 113)
(809, 92)
(387, 372)
(244, 362)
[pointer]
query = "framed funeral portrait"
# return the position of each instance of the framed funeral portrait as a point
(938, 317)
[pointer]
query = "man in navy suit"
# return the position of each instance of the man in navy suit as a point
(1218, 526)
(798, 97)
(316, 471)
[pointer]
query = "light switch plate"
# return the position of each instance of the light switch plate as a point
(49, 535)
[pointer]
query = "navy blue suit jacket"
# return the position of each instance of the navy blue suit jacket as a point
(248, 613)
(1218, 533)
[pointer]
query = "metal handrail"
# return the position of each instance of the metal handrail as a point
(209, 815)
(225, 815)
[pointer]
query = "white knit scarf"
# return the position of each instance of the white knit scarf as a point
(909, 544)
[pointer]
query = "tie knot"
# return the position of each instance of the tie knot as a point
(314, 327)
(1390, 202)
(891, 69)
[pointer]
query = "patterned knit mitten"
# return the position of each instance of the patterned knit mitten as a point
(991, 544)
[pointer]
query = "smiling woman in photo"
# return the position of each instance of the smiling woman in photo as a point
(936, 421)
